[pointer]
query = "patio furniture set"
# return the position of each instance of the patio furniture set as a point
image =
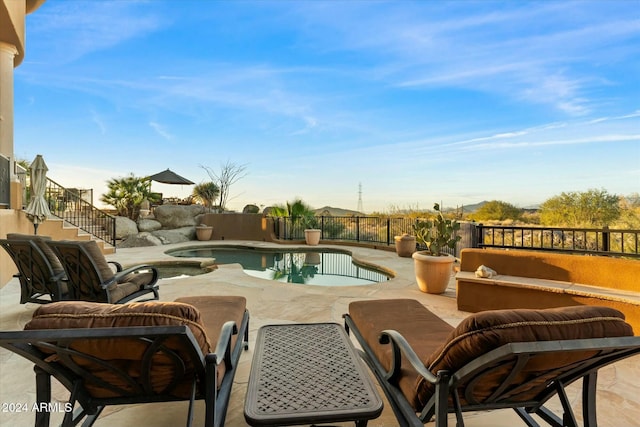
(106, 353)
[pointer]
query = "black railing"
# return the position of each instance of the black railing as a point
(69, 205)
(362, 229)
(603, 241)
(381, 230)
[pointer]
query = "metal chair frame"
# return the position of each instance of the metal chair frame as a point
(35, 273)
(53, 354)
(451, 386)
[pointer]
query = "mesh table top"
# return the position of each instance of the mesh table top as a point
(308, 373)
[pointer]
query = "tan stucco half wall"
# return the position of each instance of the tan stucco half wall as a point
(239, 226)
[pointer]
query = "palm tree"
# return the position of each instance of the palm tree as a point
(207, 193)
(127, 195)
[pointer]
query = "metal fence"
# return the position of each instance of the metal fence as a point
(71, 206)
(348, 228)
(381, 231)
(602, 241)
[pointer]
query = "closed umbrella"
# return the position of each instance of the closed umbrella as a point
(38, 209)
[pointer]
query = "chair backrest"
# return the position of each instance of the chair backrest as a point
(513, 355)
(86, 268)
(40, 273)
(41, 242)
(159, 373)
(137, 351)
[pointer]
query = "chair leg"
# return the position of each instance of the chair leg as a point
(568, 419)
(589, 383)
(210, 395)
(246, 336)
(43, 396)
(529, 421)
(191, 402)
(442, 397)
(458, 408)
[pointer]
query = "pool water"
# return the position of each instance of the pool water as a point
(310, 267)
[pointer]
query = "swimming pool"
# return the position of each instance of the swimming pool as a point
(322, 267)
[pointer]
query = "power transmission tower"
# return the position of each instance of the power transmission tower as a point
(360, 208)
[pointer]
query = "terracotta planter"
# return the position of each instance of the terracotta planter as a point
(405, 245)
(432, 272)
(312, 258)
(204, 232)
(312, 236)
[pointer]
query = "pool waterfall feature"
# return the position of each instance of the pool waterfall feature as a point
(317, 266)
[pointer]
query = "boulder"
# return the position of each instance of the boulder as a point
(177, 235)
(125, 227)
(177, 216)
(140, 239)
(251, 209)
(147, 224)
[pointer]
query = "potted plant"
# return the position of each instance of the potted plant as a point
(405, 245)
(311, 229)
(433, 267)
(204, 232)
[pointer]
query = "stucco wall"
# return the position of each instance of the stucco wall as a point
(238, 226)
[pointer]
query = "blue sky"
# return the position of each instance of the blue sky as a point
(419, 101)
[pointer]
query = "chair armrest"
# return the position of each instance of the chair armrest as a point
(401, 346)
(116, 264)
(222, 352)
(116, 278)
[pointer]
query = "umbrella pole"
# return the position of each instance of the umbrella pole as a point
(35, 228)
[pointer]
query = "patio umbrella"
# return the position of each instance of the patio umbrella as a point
(38, 209)
(170, 177)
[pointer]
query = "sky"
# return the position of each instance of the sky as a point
(413, 102)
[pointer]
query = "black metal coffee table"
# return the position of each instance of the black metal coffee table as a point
(308, 373)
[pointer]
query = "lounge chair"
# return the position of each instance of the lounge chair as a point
(498, 359)
(114, 354)
(41, 275)
(91, 278)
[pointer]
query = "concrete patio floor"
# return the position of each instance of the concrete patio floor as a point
(274, 303)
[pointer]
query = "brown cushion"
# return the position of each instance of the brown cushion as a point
(41, 241)
(485, 331)
(421, 328)
(80, 314)
(215, 311)
(84, 314)
(95, 253)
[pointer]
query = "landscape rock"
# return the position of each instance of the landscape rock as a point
(147, 224)
(139, 240)
(177, 235)
(251, 209)
(177, 216)
(125, 227)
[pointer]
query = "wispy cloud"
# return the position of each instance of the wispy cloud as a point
(534, 53)
(97, 119)
(69, 30)
(160, 130)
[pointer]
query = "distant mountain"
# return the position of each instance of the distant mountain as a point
(474, 207)
(337, 211)
(466, 208)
